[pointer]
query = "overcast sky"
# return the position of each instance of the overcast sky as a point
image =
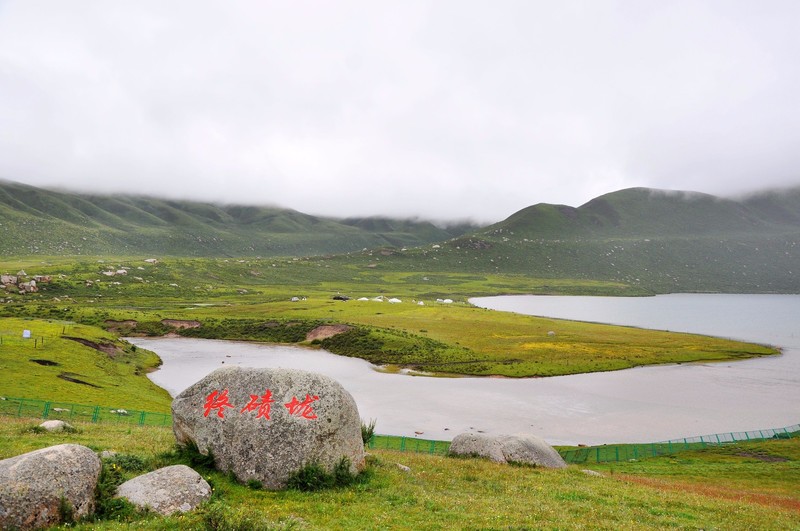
(438, 109)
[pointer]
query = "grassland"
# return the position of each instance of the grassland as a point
(68, 362)
(719, 488)
(251, 300)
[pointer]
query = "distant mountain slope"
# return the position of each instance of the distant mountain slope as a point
(39, 221)
(650, 213)
(655, 240)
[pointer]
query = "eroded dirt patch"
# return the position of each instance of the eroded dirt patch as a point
(771, 500)
(71, 377)
(46, 363)
(107, 348)
(767, 458)
(326, 331)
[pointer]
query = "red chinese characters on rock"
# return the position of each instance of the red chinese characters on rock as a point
(218, 401)
(302, 409)
(262, 405)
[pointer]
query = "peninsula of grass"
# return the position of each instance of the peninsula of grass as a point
(251, 299)
(742, 486)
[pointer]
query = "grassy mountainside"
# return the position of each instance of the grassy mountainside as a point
(643, 212)
(38, 221)
(649, 240)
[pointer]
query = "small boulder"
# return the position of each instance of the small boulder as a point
(265, 424)
(524, 449)
(56, 425)
(37, 487)
(167, 490)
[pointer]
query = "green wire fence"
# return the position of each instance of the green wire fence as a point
(32, 408)
(629, 452)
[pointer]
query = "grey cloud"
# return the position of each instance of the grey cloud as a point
(433, 109)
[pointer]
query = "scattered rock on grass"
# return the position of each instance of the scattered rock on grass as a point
(167, 490)
(48, 486)
(56, 425)
(522, 449)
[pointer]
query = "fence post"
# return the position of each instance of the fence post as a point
(402, 443)
(616, 452)
(96, 414)
(669, 445)
(141, 418)
(433, 447)
(46, 410)
(19, 409)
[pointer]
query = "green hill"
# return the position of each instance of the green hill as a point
(47, 222)
(653, 240)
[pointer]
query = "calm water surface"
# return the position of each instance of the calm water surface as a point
(643, 404)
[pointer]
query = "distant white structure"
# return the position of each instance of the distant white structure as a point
(445, 301)
(394, 300)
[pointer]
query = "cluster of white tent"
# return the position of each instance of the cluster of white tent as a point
(381, 298)
(394, 300)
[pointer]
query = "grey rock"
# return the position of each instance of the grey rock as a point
(525, 449)
(404, 468)
(55, 425)
(592, 473)
(167, 490)
(311, 419)
(107, 454)
(33, 485)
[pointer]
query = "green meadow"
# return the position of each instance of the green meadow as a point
(742, 486)
(251, 299)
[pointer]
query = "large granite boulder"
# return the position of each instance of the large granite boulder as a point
(39, 488)
(265, 424)
(525, 449)
(167, 490)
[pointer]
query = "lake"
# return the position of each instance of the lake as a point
(635, 405)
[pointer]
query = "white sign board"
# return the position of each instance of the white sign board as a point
(26, 334)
